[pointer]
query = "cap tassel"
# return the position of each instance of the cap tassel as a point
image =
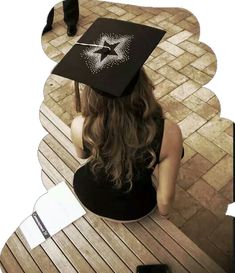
(95, 45)
(77, 97)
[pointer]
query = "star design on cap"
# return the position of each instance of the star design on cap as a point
(115, 50)
(104, 52)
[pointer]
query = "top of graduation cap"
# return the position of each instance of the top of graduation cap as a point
(109, 55)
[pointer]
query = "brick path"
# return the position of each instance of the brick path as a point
(179, 68)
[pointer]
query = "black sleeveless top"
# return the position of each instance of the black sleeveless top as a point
(98, 196)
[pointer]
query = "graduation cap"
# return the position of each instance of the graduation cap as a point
(109, 56)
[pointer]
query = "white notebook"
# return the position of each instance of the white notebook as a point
(53, 211)
(231, 210)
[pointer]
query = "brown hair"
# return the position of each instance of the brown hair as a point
(115, 130)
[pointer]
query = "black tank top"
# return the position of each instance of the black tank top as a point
(98, 196)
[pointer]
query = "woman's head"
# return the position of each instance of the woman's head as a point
(116, 129)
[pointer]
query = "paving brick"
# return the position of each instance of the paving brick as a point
(185, 90)
(171, 48)
(50, 86)
(50, 50)
(229, 130)
(59, 29)
(62, 92)
(214, 128)
(225, 261)
(155, 77)
(214, 102)
(127, 16)
(200, 225)
(160, 17)
(204, 61)
(176, 218)
(227, 191)
(169, 27)
(195, 74)
(190, 124)
(183, 60)
(188, 153)
(204, 94)
(180, 37)
(211, 69)
(164, 88)
(202, 192)
(175, 108)
(193, 28)
(116, 10)
(192, 48)
(173, 75)
(48, 36)
(160, 61)
(185, 204)
(192, 102)
(59, 40)
(64, 48)
(224, 242)
(218, 206)
(192, 19)
(225, 142)
(192, 170)
(68, 104)
(220, 174)
(206, 148)
(140, 19)
(180, 15)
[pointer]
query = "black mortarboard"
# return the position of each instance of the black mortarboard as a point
(109, 55)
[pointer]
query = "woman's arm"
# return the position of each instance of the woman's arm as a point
(167, 169)
(76, 136)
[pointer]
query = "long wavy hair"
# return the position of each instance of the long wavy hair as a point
(119, 131)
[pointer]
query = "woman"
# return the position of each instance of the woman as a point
(134, 154)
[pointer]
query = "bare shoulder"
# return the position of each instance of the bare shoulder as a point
(76, 130)
(172, 139)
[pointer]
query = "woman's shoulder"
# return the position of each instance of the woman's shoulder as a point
(172, 138)
(76, 130)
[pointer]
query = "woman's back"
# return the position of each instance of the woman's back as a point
(99, 194)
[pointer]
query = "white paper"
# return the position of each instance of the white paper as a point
(31, 232)
(231, 210)
(57, 209)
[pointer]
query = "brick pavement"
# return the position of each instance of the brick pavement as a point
(179, 67)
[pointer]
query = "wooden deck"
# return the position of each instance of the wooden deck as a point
(92, 244)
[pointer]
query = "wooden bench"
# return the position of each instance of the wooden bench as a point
(92, 244)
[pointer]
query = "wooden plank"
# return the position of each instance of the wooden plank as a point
(62, 153)
(101, 247)
(209, 264)
(117, 245)
(48, 168)
(156, 249)
(39, 256)
(57, 257)
(55, 120)
(171, 246)
(9, 262)
(132, 242)
(2, 269)
(51, 156)
(54, 131)
(47, 182)
(22, 256)
(71, 253)
(87, 250)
